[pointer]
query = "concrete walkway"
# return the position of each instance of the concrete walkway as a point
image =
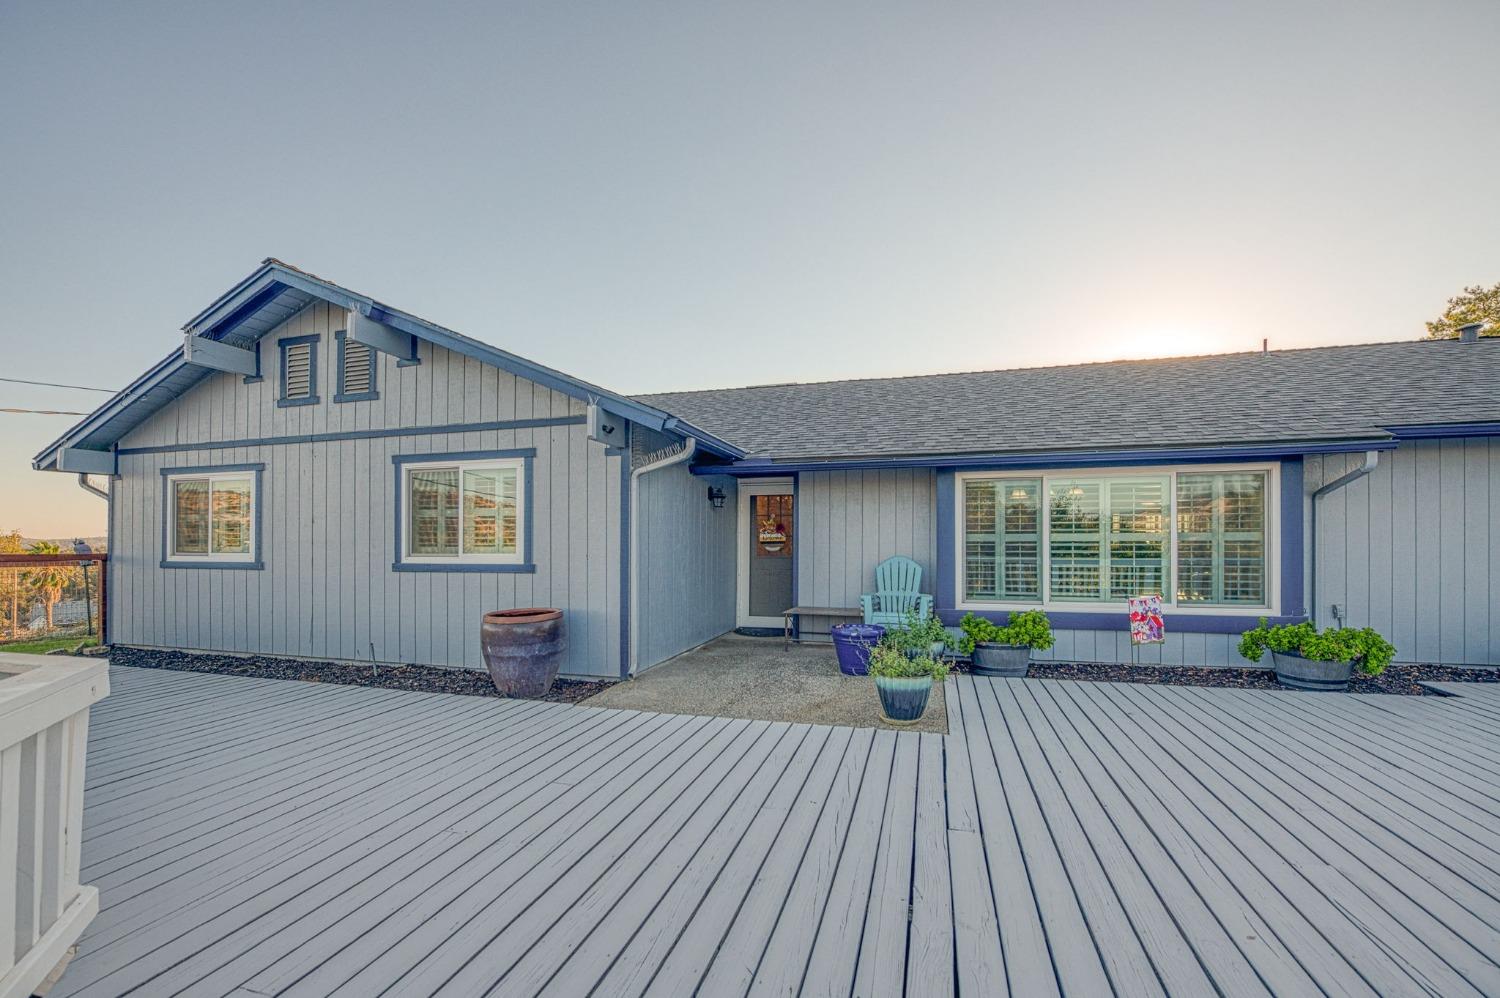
(753, 678)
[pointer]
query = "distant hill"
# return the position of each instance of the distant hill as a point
(66, 543)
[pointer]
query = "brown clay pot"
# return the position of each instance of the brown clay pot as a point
(523, 649)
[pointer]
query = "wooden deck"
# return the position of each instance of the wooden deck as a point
(253, 837)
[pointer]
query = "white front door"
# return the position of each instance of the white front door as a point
(767, 531)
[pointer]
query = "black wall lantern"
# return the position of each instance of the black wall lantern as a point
(716, 496)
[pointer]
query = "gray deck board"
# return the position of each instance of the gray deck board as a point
(257, 837)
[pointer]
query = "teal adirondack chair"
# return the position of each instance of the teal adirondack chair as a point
(897, 581)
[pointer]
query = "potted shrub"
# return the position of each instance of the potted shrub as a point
(1005, 652)
(852, 644)
(1305, 659)
(919, 637)
(903, 683)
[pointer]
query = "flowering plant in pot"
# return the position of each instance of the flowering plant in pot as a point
(904, 683)
(1306, 659)
(1005, 651)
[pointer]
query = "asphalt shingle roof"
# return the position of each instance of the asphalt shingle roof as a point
(1323, 393)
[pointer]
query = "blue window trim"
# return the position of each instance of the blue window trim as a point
(256, 563)
(524, 566)
(342, 336)
(1115, 620)
(312, 370)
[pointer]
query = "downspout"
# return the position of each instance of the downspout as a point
(675, 457)
(1372, 458)
(83, 483)
(87, 486)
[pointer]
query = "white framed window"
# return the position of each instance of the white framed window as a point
(1203, 538)
(210, 516)
(464, 512)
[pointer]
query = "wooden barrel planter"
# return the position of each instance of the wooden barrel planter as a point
(1000, 661)
(523, 649)
(1298, 673)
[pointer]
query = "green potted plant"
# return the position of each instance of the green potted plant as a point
(1005, 652)
(918, 637)
(904, 683)
(1305, 659)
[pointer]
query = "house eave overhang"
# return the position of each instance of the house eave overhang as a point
(1069, 458)
(236, 317)
(1437, 431)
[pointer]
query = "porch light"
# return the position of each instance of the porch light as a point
(716, 497)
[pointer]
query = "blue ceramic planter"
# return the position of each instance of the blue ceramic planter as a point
(903, 700)
(852, 644)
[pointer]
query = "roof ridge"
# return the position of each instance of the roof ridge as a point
(1056, 367)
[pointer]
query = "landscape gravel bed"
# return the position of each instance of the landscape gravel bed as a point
(415, 678)
(1400, 679)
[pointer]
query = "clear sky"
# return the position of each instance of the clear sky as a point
(664, 196)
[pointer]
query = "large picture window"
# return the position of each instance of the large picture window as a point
(210, 516)
(464, 512)
(1196, 538)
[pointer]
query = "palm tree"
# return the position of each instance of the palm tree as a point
(47, 581)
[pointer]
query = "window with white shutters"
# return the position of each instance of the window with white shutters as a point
(1101, 537)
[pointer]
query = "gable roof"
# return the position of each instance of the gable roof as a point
(274, 292)
(1346, 393)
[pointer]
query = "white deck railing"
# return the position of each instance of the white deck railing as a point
(44, 730)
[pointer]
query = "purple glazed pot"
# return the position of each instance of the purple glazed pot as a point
(852, 644)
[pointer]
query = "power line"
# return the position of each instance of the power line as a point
(46, 412)
(53, 384)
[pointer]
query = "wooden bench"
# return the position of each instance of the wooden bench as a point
(814, 611)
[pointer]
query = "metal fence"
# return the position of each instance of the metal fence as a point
(51, 601)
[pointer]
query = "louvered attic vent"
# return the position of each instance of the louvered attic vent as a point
(299, 371)
(357, 359)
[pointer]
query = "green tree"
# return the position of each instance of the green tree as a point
(47, 581)
(1476, 304)
(10, 584)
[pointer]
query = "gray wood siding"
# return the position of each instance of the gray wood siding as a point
(328, 590)
(1413, 549)
(685, 587)
(850, 521)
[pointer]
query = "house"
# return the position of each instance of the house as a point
(317, 474)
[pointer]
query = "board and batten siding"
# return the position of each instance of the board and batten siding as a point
(1413, 549)
(847, 522)
(685, 586)
(327, 517)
